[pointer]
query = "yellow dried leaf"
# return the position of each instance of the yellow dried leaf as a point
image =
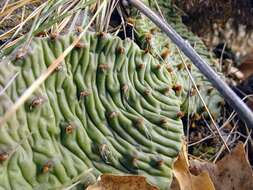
(187, 181)
(115, 182)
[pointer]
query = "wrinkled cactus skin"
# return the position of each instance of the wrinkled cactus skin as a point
(109, 106)
(151, 38)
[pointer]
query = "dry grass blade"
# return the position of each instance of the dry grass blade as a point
(3, 19)
(12, 43)
(229, 119)
(8, 84)
(47, 73)
(233, 114)
(222, 148)
(81, 178)
(111, 8)
(104, 18)
(63, 10)
(202, 100)
(4, 6)
(12, 7)
(32, 15)
(200, 141)
(159, 9)
(122, 20)
(188, 118)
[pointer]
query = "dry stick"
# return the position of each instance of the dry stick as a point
(18, 3)
(3, 19)
(203, 102)
(233, 114)
(241, 108)
(196, 158)
(122, 21)
(247, 139)
(207, 124)
(46, 73)
(188, 117)
(240, 134)
(10, 44)
(200, 141)
(222, 147)
(159, 10)
(74, 21)
(79, 181)
(9, 83)
(63, 24)
(113, 5)
(23, 14)
(32, 15)
(221, 57)
(11, 9)
(101, 17)
(188, 114)
(66, 20)
(5, 5)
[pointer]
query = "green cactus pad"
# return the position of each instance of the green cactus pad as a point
(157, 42)
(108, 107)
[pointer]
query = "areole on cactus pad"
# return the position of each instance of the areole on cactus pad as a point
(109, 107)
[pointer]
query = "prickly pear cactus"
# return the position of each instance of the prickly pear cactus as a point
(109, 107)
(156, 42)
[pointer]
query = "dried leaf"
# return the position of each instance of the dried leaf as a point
(246, 66)
(114, 182)
(232, 172)
(187, 181)
(237, 73)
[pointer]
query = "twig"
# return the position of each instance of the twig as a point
(247, 139)
(200, 141)
(9, 83)
(221, 57)
(222, 148)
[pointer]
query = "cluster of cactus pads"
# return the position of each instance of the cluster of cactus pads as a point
(110, 107)
(159, 45)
